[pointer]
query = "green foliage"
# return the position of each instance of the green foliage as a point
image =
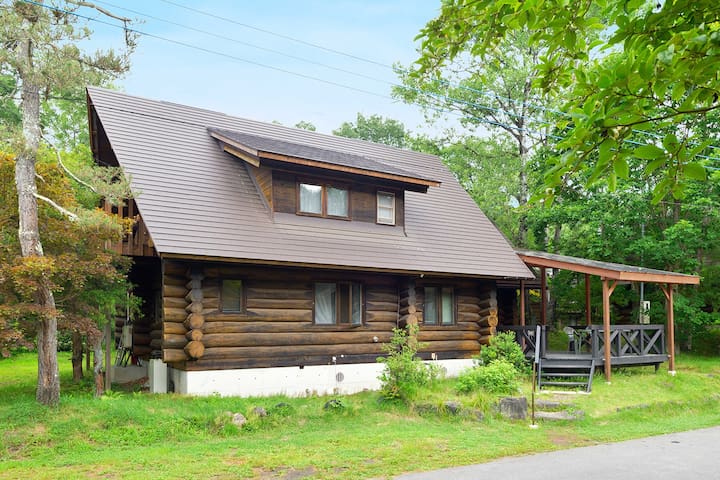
(404, 373)
(498, 377)
(375, 129)
(621, 66)
(504, 347)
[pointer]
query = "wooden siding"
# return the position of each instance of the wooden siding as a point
(363, 196)
(137, 241)
(276, 327)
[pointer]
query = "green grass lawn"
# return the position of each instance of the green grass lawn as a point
(138, 435)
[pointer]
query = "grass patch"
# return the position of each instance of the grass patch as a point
(139, 435)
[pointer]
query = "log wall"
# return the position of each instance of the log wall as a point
(276, 327)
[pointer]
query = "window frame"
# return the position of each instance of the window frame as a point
(392, 195)
(243, 296)
(324, 185)
(338, 317)
(439, 303)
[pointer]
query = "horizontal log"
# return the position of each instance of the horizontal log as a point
(468, 317)
(141, 328)
(280, 303)
(487, 303)
(381, 316)
(171, 314)
(485, 339)
(195, 349)
(194, 295)
(174, 280)
(209, 291)
(211, 303)
(467, 299)
(194, 321)
(381, 296)
(468, 308)
(292, 339)
(195, 335)
(278, 351)
(281, 314)
(156, 343)
(287, 293)
(176, 291)
(381, 306)
(452, 345)
(141, 338)
(195, 307)
(174, 341)
(172, 302)
(488, 311)
(171, 355)
(141, 350)
(156, 333)
(488, 330)
(212, 326)
(440, 335)
(408, 309)
(174, 328)
(175, 268)
(490, 321)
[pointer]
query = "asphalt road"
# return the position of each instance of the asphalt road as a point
(676, 456)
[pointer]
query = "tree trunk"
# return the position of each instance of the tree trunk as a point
(98, 366)
(77, 356)
(524, 193)
(48, 387)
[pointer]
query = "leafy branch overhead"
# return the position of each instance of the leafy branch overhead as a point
(637, 77)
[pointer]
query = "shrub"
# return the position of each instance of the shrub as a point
(499, 377)
(504, 347)
(404, 372)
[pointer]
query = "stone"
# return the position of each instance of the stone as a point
(452, 407)
(260, 411)
(514, 408)
(561, 415)
(238, 419)
(334, 404)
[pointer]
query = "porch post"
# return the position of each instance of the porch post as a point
(588, 316)
(671, 327)
(522, 303)
(606, 326)
(543, 297)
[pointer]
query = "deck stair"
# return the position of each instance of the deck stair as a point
(566, 373)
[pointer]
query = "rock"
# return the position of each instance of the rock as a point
(514, 407)
(452, 407)
(238, 419)
(562, 415)
(334, 404)
(424, 408)
(260, 411)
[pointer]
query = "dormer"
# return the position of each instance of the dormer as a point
(304, 180)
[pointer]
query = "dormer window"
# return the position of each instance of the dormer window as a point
(386, 208)
(323, 200)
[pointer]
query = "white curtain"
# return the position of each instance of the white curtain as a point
(325, 303)
(337, 202)
(310, 198)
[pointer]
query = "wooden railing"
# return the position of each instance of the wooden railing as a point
(626, 341)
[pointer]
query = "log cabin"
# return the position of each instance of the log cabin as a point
(276, 260)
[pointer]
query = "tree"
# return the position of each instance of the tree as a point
(494, 93)
(305, 125)
(376, 129)
(41, 53)
(653, 67)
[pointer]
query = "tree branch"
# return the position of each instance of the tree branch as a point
(67, 170)
(82, 3)
(57, 207)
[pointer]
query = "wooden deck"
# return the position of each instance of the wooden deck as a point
(630, 345)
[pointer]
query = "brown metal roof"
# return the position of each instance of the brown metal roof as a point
(614, 271)
(259, 146)
(198, 201)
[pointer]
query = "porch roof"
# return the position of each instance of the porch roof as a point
(607, 270)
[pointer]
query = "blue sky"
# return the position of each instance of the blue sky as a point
(381, 31)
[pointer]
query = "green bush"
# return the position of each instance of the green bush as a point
(498, 377)
(404, 372)
(504, 347)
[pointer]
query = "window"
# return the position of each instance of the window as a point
(439, 306)
(323, 200)
(386, 208)
(338, 303)
(231, 296)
